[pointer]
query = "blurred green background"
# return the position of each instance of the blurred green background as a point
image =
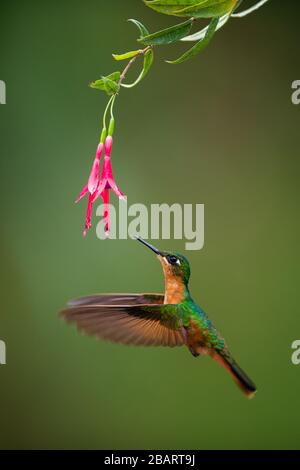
(219, 130)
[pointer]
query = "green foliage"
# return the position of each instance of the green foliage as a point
(148, 61)
(142, 29)
(127, 55)
(200, 45)
(217, 10)
(109, 84)
(169, 35)
(192, 8)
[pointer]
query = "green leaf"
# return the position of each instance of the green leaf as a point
(143, 30)
(223, 20)
(109, 84)
(201, 34)
(148, 61)
(169, 35)
(192, 8)
(200, 45)
(127, 55)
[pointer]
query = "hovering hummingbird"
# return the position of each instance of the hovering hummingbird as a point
(169, 319)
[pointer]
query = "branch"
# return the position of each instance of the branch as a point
(131, 62)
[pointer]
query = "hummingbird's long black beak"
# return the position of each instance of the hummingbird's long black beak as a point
(148, 245)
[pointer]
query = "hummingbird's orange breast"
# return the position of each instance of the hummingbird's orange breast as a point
(174, 287)
(174, 291)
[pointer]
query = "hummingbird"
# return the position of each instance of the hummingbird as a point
(169, 319)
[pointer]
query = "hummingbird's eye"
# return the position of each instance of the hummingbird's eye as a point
(173, 259)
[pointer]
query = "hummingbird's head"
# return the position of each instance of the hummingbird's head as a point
(174, 265)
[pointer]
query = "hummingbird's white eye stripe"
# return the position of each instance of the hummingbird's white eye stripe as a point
(178, 262)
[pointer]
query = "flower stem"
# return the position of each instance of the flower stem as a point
(112, 107)
(103, 134)
(131, 62)
(112, 118)
(111, 102)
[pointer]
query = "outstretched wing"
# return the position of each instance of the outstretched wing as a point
(140, 325)
(118, 299)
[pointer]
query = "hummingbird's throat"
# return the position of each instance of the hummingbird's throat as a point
(175, 290)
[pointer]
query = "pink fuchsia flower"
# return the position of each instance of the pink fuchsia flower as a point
(107, 182)
(91, 187)
(94, 177)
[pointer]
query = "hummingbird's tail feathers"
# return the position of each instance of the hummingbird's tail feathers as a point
(238, 375)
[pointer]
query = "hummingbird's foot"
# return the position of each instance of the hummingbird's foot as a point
(195, 353)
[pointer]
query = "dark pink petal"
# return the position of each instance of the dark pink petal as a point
(96, 195)
(101, 187)
(107, 168)
(107, 178)
(88, 215)
(115, 188)
(83, 193)
(99, 150)
(106, 217)
(108, 145)
(95, 173)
